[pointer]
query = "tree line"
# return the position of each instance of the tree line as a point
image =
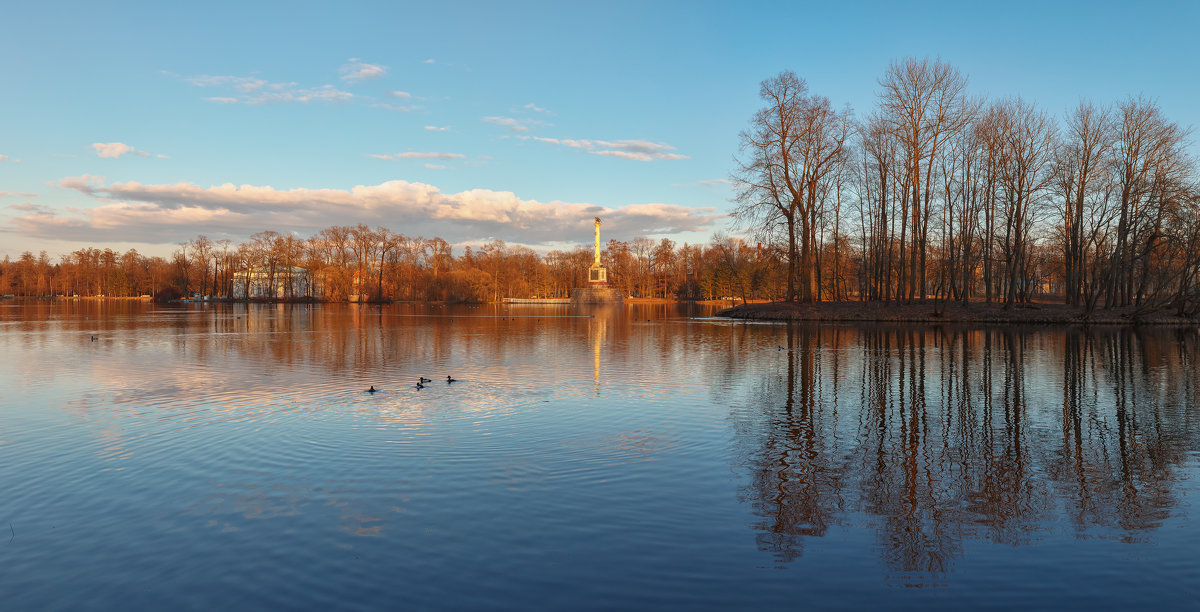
(937, 194)
(377, 264)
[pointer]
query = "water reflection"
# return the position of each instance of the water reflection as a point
(581, 451)
(596, 331)
(936, 438)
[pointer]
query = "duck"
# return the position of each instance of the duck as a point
(372, 389)
(449, 380)
(419, 385)
(422, 379)
(94, 338)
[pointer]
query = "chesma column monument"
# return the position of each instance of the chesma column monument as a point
(597, 291)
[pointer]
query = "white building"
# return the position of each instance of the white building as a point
(284, 282)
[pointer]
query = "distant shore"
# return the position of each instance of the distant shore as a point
(954, 312)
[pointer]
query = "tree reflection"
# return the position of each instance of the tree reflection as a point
(934, 438)
(797, 475)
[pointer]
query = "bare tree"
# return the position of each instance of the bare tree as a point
(1082, 168)
(925, 103)
(1029, 139)
(793, 145)
(201, 251)
(1151, 170)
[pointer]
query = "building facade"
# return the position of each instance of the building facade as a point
(283, 282)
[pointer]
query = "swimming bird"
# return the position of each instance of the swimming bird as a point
(420, 386)
(449, 380)
(372, 389)
(94, 338)
(422, 379)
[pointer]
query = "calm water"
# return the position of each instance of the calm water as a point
(228, 457)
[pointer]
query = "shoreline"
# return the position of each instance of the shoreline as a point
(976, 313)
(953, 313)
(313, 300)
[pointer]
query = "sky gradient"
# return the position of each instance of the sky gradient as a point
(139, 125)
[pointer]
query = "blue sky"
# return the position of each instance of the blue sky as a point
(144, 124)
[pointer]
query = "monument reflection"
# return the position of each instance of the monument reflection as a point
(935, 438)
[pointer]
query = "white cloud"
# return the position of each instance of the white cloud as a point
(434, 128)
(3, 158)
(637, 150)
(357, 70)
(435, 167)
(513, 124)
(253, 90)
(416, 155)
(535, 108)
(115, 150)
(636, 156)
(136, 212)
(400, 95)
(17, 194)
(508, 122)
(429, 61)
(324, 93)
(567, 142)
(715, 182)
(242, 84)
(29, 207)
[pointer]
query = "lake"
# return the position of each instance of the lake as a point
(645, 457)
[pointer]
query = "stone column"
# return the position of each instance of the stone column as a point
(597, 240)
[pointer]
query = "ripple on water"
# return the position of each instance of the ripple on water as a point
(195, 459)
